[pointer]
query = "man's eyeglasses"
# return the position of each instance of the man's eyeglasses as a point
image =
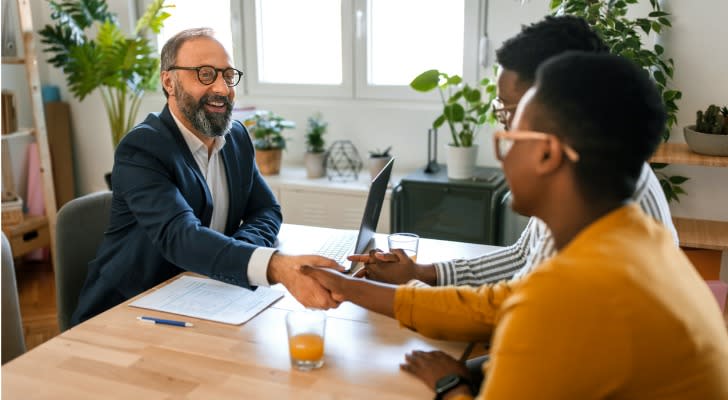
(502, 112)
(503, 141)
(207, 74)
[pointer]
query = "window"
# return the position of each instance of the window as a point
(215, 14)
(299, 42)
(339, 48)
(356, 48)
(398, 51)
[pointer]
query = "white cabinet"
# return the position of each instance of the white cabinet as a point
(325, 203)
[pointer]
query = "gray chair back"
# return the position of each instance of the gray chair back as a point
(13, 342)
(80, 228)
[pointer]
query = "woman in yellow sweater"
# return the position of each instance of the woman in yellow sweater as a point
(619, 312)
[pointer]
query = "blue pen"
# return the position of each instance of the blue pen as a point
(153, 320)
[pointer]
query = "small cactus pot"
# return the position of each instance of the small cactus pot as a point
(706, 143)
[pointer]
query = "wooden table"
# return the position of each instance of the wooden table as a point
(115, 356)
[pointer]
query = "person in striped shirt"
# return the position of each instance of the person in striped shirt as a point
(518, 57)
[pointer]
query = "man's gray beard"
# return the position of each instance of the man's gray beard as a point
(209, 124)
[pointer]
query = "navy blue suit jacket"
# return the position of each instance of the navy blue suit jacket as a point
(161, 212)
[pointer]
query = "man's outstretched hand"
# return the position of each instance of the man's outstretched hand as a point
(286, 270)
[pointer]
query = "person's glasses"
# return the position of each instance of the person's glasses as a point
(502, 112)
(503, 141)
(207, 74)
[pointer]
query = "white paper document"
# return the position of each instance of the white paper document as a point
(209, 299)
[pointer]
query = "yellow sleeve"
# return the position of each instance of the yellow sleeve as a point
(451, 313)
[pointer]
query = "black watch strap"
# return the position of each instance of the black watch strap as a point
(450, 382)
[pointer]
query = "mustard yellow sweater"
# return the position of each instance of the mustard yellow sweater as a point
(619, 313)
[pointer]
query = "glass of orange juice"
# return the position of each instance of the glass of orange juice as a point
(306, 329)
(405, 241)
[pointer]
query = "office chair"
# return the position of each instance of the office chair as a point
(13, 341)
(80, 228)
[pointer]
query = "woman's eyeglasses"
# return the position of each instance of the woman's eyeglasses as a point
(207, 74)
(503, 141)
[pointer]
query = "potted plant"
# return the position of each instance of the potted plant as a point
(624, 32)
(378, 159)
(315, 157)
(122, 68)
(465, 110)
(709, 135)
(266, 128)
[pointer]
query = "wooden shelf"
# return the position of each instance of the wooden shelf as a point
(32, 233)
(678, 153)
(19, 133)
(702, 234)
(13, 60)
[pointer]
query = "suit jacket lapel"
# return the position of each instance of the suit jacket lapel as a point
(168, 120)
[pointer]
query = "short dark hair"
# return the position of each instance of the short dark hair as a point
(609, 110)
(168, 56)
(542, 40)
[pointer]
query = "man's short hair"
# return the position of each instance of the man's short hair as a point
(170, 49)
(609, 110)
(542, 40)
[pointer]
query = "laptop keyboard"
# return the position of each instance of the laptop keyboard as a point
(338, 247)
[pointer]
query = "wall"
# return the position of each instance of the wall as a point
(694, 44)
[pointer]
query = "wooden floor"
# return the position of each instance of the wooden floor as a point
(37, 294)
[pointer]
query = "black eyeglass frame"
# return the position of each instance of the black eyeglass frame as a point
(218, 71)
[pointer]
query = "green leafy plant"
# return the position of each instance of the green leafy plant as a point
(714, 120)
(466, 108)
(122, 68)
(376, 153)
(623, 33)
(314, 134)
(266, 128)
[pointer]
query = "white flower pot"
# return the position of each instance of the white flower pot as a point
(706, 143)
(461, 161)
(314, 163)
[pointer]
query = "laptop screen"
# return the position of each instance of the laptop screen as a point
(375, 200)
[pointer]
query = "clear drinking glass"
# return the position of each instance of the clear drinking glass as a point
(306, 332)
(408, 242)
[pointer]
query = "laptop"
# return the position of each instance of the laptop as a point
(340, 246)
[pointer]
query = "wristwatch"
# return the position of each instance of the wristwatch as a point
(449, 382)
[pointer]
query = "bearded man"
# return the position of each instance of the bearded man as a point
(187, 195)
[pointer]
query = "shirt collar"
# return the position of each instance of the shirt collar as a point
(193, 142)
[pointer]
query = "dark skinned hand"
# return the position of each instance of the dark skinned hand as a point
(395, 267)
(429, 366)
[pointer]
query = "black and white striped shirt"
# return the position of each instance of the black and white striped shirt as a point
(536, 243)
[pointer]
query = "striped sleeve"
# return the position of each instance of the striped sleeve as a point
(492, 267)
(649, 195)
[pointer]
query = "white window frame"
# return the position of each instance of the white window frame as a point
(257, 88)
(137, 8)
(354, 85)
(474, 28)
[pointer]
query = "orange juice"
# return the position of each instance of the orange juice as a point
(306, 347)
(411, 254)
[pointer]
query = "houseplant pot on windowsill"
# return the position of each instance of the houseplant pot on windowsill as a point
(465, 110)
(377, 160)
(315, 157)
(269, 143)
(709, 135)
